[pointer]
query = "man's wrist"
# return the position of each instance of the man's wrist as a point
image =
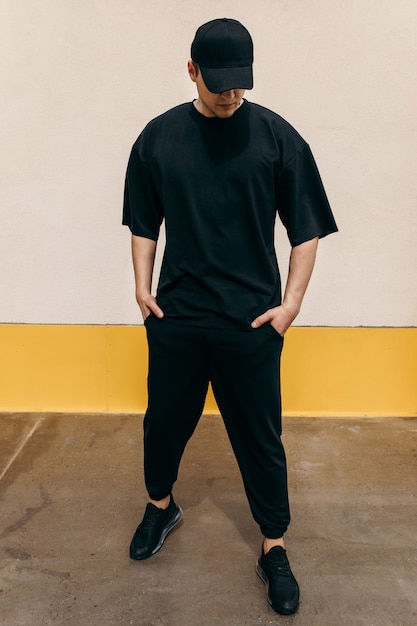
(291, 308)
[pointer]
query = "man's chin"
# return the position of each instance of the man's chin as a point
(225, 112)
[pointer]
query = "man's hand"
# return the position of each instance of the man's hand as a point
(148, 305)
(280, 317)
(302, 260)
(143, 254)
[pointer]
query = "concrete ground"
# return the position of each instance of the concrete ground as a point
(72, 494)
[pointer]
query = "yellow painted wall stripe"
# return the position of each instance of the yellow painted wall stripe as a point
(326, 371)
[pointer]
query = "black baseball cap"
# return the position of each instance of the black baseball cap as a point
(223, 49)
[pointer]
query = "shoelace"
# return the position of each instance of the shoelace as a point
(278, 563)
(152, 515)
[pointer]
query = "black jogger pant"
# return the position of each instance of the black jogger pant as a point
(244, 370)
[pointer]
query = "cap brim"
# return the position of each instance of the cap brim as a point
(226, 78)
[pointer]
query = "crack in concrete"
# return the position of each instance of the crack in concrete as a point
(21, 446)
(30, 512)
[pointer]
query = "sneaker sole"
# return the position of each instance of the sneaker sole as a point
(265, 580)
(172, 524)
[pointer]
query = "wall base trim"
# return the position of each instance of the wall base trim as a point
(335, 372)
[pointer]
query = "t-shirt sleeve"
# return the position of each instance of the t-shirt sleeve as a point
(142, 206)
(302, 202)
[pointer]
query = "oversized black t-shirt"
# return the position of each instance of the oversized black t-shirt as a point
(219, 184)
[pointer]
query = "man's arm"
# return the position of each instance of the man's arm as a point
(302, 261)
(143, 255)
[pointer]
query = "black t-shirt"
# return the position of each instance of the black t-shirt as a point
(219, 184)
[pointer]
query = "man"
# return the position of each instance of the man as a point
(218, 170)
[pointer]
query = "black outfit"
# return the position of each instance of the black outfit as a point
(219, 184)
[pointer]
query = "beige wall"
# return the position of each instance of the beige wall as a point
(79, 80)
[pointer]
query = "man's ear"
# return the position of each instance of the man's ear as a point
(191, 71)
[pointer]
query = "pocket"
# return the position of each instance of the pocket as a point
(274, 331)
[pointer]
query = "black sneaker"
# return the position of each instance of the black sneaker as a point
(282, 589)
(153, 529)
